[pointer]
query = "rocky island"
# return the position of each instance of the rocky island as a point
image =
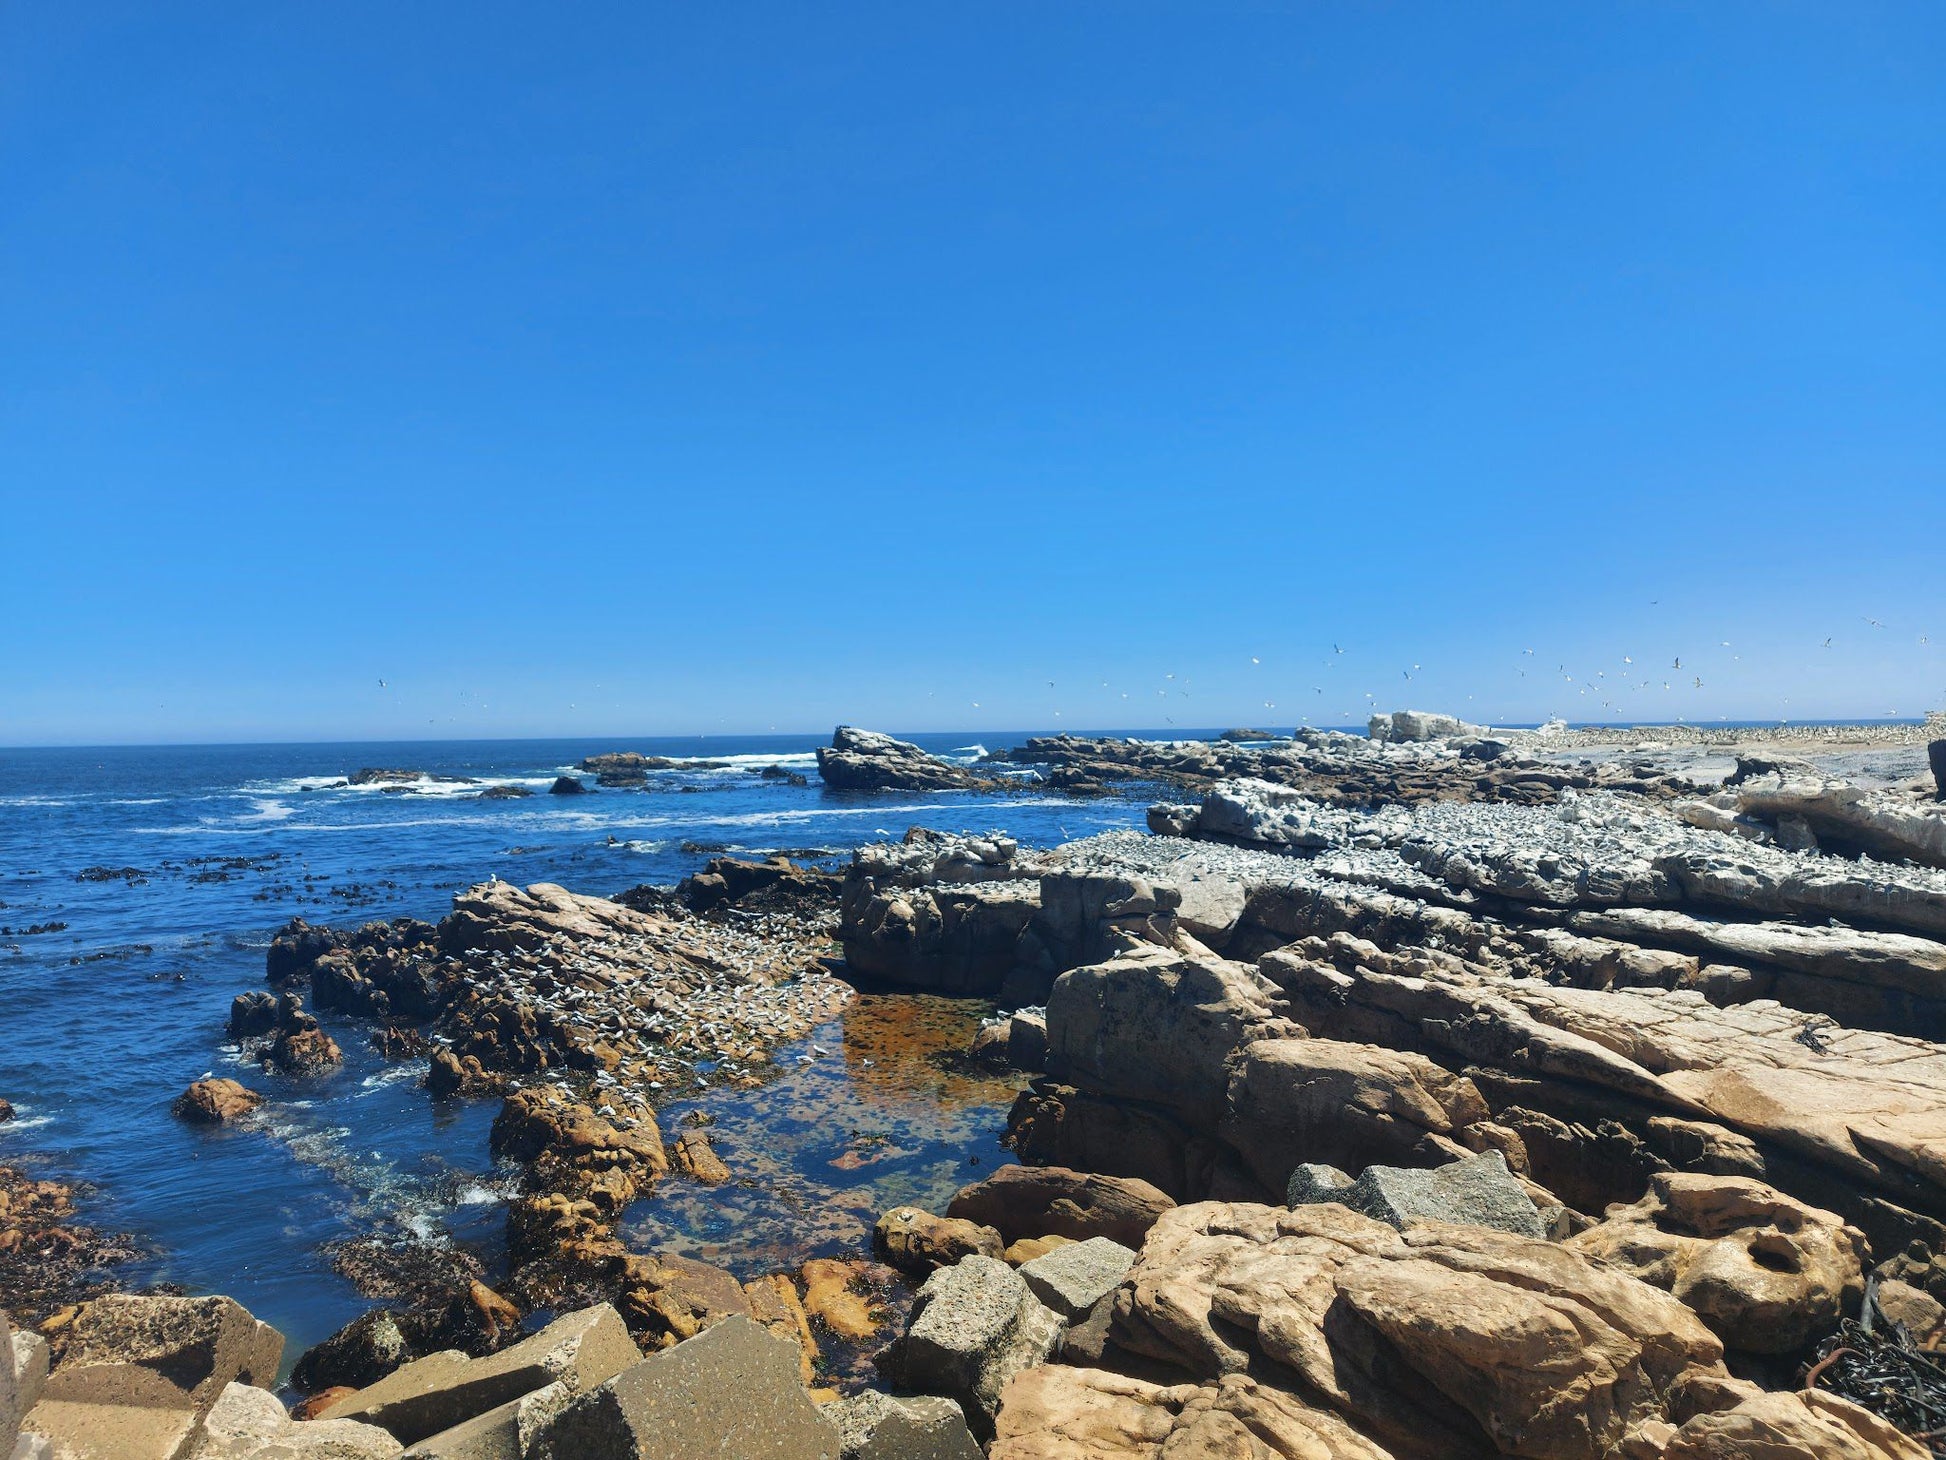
(1437, 1092)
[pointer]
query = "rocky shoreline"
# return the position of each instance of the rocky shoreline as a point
(1426, 1094)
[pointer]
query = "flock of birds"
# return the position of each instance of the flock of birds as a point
(1605, 688)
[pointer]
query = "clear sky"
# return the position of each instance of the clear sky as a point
(671, 368)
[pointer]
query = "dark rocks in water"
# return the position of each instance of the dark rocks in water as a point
(47, 1260)
(252, 1014)
(503, 793)
(568, 786)
(299, 1046)
(364, 1351)
(6, 1111)
(399, 1042)
(775, 882)
(788, 777)
(294, 948)
(864, 760)
(452, 1074)
(622, 779)
(1240, 736)
(382, 776)
(215, 1102)
(622, 761)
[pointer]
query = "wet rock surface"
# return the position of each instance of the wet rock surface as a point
(49, 1260)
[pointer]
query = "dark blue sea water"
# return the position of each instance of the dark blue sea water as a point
(165, 870)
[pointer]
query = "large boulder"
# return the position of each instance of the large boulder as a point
(1319, 1100)
(1438, 1340)
(973, 1327)
(732, 1391)
(1075, 1276)
(1766, 1272)
(916, 1241)
(580, 1350)
(864, 760)
(1023, 1202)
(1402, 727)
(216, 1102)
(137, 1374)
(1475, 1191)
(1159, 1027)
(506, 1432)
(500, 917)
(875, 1426)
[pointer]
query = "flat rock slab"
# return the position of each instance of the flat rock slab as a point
(1073, 1278)
(581, 1350)
(731, 1393)
(875, 1426)
(82, 1431)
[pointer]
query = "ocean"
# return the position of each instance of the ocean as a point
(139, 888)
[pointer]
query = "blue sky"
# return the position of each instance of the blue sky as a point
(664, 368)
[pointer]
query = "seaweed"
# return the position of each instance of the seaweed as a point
(1875, 1363)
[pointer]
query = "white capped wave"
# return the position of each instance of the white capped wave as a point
(26, 1122)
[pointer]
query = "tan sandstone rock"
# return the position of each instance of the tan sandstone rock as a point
(1439, 1341)
(1766, 1272)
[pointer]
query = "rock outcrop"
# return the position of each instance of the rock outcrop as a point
(864, 760)
(216, 1102)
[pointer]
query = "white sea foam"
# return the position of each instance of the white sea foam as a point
(26, 1122)
(392, 1075)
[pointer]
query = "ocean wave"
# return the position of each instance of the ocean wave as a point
(25, 1122)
